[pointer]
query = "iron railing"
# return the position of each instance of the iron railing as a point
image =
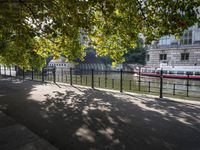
(127, 81)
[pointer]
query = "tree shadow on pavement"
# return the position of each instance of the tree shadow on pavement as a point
(81, 118)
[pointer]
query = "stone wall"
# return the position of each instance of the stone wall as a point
(174, 56)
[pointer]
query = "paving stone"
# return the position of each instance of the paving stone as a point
(14, 136)
(5, 120)
(38, 145)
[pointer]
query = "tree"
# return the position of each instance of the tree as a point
(137, 54)
(55, 27)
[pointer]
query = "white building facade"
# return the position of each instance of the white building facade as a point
(170, 51)
(61, 63)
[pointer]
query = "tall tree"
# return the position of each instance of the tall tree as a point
(137, 54)
(55, 27)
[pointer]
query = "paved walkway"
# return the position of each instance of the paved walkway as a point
(77, 118)
(14, 136)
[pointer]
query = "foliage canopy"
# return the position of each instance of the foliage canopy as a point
(39, 28)
(136, 55)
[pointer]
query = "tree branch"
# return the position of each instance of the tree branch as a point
(141, 9)
(23, 3)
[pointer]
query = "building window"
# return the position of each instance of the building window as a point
(148, 57)
(163, 56)
(184, 56)
(186, 39)
(165, 40)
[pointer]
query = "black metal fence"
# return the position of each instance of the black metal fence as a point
(117, 80)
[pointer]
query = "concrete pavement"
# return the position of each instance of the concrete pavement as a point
(78, 118)
(14, 136)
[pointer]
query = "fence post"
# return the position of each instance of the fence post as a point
(187, 85)
(32, 74)
(174, 87)
(129, 84)
(0, 69)
(23, 74)
(38, 74)
(139, 79)
(161, 83)
(62, 74)
(42, 74)
(47, 74)
(106, 78)
(54, 74)
(10, 71)
(149, 86)
(121, 81)
(76, 79)
(81, 78)
(70, 76)
(92, 78)
(4, 70)
(99, 81)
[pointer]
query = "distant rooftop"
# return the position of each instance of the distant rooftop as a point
(190, 38)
